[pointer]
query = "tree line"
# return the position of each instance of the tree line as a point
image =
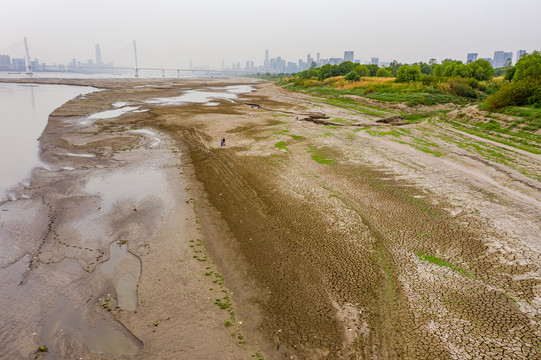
(479, 70)
(521, 85)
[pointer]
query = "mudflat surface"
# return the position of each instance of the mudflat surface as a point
(295, 240)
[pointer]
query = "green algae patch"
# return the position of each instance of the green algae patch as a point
(320, 156)
(281, 145)
(440, 262)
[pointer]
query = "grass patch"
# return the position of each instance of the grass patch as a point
(518, 133)
(531, 116)
(348, 103)
(422, 148)
(297, 137)
(320, 156)
(281, 145)
(342, 121)
(440, 262)
(383, 133)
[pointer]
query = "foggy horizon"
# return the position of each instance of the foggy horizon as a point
(171, 35)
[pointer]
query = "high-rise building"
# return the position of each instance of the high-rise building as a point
(336, 61)
(18, 64)
(5, 62)
(317, 61)
(98, 55)
(501, 58)
(266, 62)
(349, 56)
(309, 60)
(520, 54)
(471, 57)
(374, 61)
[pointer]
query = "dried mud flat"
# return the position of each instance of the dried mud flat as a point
(326, 241)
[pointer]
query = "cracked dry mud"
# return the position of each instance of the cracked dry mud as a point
(333, 246)
(338, 244)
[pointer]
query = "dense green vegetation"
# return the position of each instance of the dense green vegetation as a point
(523, 86)
(518, 93)
(416, 84)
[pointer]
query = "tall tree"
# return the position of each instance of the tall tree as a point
(408, 73)
(362, 70)
(481, 70)
(529, 66)
(395, 65)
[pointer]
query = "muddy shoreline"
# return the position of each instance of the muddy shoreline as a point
(101, 261)
(295, 240)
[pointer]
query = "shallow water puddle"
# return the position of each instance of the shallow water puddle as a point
(133, 185)
(239, 89)
(119, 104)
(79, 155)
(124, 270)
(197, 96)
(65, 324)
(109, 114)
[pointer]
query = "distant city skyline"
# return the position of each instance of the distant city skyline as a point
(269, 64)
(170, 34)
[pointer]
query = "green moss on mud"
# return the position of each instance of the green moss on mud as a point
(281, 145)
(440, 262)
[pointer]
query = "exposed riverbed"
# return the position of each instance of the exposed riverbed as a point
(294, 240)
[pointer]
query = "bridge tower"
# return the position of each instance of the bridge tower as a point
(29, 65)
(135, 53)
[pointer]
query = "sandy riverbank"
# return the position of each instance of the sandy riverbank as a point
(317, 237)
(102, 255)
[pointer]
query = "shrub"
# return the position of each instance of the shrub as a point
(408, 73)
(362, 70)
(353, 76)
(383, 73)
(529, 66)
(429, 80)
(523, 92)
(461, 88)
(307, 83)
(510, 73)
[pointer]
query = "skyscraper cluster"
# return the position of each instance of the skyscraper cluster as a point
(500, 59)
(279, 65)
(8, 63)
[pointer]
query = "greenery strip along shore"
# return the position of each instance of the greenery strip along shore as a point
(515, 95)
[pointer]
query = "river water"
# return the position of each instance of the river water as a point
(24, 111)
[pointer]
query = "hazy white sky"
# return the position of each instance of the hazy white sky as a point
(170, 33)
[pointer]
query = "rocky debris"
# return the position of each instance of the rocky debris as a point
(255, 106)
(317, 118)
(394, 120)
(316, 115)
(322, 122)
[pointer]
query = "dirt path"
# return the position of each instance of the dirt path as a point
(325, 241)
